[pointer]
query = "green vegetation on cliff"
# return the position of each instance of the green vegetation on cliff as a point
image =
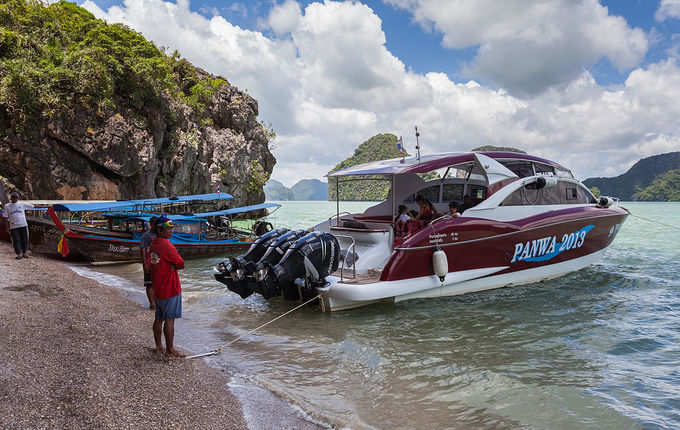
(378, 147)
(59, 57)
(665, 187)
(112, 116)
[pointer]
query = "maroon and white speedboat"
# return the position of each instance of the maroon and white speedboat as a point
(530, 221)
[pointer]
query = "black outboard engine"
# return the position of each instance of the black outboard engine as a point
(277, 249)
(312, 257)
(232, 271)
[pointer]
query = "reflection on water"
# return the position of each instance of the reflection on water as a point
(594, 349)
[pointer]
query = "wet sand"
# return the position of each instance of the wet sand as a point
(77, 354)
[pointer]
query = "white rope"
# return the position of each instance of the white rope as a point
(654, 221)
(220, 348)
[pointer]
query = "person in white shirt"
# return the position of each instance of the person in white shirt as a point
(18, 227)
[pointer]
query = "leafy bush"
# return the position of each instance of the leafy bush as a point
(54, 58)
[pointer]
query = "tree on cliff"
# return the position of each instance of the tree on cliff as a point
(112, 116)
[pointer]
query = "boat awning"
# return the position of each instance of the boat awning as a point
(142, 203)
(147, 217)
(428, 163)
(242, 209)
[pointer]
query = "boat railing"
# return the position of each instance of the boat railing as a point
(337, 222)
(353, 247)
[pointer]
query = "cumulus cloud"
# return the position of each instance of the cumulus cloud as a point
(668, 9)
(327, 82)
(526, 46)
(284, 18)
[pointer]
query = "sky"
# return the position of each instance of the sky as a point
(593, 85)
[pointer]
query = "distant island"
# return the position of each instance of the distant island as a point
(655, 178)
(306, 189)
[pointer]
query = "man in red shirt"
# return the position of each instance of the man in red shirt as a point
(165, 261)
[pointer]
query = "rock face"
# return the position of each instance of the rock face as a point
(95, 111)
(125, 156)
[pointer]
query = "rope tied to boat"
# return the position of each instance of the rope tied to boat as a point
(221, 347)
(654, 221)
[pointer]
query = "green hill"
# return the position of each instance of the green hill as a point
(378, 147)
(665, 187)
(633, 184)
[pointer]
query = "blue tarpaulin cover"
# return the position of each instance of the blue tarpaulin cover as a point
(139, 204)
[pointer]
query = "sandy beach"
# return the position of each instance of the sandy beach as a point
(76, 354)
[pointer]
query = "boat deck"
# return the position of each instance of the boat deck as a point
(361, 278)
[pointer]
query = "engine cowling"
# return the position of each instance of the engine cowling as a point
(233, 272)
(312, 257)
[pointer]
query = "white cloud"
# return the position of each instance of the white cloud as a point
(284, 18)
(668, 9)
(527, 46)
(329, 83)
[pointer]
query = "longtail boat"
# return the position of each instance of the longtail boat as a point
(115, 236)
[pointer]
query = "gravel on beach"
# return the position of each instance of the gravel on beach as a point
(77, 354)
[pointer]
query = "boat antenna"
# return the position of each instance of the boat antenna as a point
(417, 143)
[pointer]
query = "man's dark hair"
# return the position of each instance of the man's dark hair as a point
(453, 205)
(402, 208)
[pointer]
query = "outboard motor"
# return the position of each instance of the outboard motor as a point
(232, 271)
(277, 249)
(312, 257)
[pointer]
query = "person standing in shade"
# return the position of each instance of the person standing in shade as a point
(165, 261)
(453, 209)
(18, 227)
(144, 244)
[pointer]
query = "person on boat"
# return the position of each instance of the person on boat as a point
(453, 209)
(144, 244)
(401, 225)
(426, 210)
(17, 225)
(165, 261)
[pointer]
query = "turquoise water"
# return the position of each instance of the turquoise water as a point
(596, 349)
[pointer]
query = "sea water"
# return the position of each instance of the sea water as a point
(595, 349)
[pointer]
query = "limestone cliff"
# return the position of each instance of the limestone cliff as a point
(94, 111)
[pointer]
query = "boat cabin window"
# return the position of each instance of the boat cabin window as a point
(453, 192)
(430, 193)
(544, 169)
(477, 192)
(522, 169)
(564, 192)
(187, 228)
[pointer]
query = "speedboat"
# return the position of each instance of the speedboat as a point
(524, 219)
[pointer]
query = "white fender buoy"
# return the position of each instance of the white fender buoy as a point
(440, 264)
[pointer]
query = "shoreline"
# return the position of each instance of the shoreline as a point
(78, 354)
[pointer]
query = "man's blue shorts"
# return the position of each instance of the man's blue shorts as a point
(169, 308)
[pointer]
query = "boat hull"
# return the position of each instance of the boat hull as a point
(483, 254)
(109, 250)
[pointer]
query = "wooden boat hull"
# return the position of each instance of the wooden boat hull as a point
(100, 249)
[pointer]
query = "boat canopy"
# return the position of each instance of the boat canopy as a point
(428, 163)
(242, 209)
(147, 217)
(136, 204)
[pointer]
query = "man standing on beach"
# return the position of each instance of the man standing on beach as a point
(165, 261)
(18, 227)
(144, 245)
